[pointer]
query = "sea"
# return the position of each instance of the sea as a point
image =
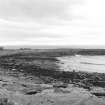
(83, 63)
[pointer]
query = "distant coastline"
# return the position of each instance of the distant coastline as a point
(55, 46)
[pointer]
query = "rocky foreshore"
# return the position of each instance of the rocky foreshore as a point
(27, 79)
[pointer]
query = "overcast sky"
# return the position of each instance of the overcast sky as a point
(52, 22)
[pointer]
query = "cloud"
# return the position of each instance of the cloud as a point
(33, 9)
(33, 19)
(52, 21)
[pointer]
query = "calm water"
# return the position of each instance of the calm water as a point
(83, 63)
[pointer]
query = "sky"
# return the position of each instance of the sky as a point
(52, 22)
